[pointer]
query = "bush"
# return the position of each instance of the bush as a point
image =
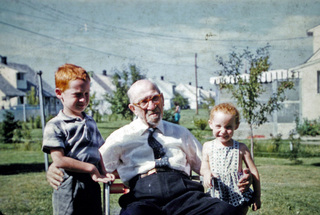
(7, 127)
(309, 127)
(168, 115)
(200, 123)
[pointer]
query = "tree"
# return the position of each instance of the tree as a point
(32, 97)
(119, 100)
(8, 126)
(247, 93)
(93, 107)
(183, 102)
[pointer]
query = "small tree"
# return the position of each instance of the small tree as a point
(8, 126)
(32, 97)
(183, 102)
(119, 100)
(93, 107)
(247, 93)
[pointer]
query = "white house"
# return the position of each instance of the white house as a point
(16, 80)
(189, 92)
(302, 102)
(101, 84)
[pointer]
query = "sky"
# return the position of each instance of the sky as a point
(160, 37)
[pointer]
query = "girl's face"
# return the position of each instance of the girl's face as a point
(223, 126)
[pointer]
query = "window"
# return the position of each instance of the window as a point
(318, 81)
(20, 76)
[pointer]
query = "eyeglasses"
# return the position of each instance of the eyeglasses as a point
(156, 99)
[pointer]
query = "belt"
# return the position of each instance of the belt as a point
(160, 169)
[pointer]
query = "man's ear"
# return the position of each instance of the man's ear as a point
(132, 108)
(162, 99)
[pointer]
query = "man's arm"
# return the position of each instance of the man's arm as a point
(245, 181)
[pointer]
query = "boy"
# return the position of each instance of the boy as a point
(73, 140)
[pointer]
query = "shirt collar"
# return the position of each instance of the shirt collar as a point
(69, 118)
(142, 128)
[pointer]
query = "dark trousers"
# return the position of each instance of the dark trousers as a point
(170, 193)
(78, 195)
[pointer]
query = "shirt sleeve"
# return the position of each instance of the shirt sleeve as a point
(53, 137)
(193, 150)
(110, 153)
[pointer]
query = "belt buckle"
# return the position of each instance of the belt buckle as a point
(150, 172)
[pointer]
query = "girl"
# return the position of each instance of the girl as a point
(222, 160)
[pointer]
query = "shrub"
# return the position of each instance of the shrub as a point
(168, 115)
(7, 127)
(200, 123)
(309, 127)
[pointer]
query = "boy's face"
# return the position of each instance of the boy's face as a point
(75, 99)
(223, 126)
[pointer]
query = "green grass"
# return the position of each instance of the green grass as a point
(286, 188)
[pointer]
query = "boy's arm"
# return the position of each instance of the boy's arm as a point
(74, 165)
(67, 163)
(255, 175)
(205, 166)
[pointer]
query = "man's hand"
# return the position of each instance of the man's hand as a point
(54, 176)
(245, 181)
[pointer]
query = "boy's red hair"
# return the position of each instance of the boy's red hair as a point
(67, 73)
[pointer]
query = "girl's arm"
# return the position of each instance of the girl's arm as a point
(246, 156)
(205, 166)
(73, 165)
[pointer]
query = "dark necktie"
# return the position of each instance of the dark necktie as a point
(158, 150)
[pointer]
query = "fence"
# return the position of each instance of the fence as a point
(25, 112)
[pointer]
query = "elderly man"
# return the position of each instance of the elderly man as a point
(155, 158)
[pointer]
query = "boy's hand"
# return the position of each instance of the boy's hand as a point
(97, 177)
(111, 177)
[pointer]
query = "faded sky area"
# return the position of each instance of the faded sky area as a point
(159, 37)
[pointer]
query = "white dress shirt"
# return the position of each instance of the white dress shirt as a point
(128, 151)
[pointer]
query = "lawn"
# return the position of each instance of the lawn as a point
(286, 188)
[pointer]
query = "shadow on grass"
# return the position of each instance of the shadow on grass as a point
(12, 169)
(315, 164)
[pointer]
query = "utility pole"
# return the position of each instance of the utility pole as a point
(195, 68)
(43, 122)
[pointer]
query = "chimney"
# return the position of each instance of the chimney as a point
(162, 78)
(4, 60)
(104, 72)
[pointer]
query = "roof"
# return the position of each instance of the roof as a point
(8, 89)
(166, 87)
(105, 82)
(32, 79)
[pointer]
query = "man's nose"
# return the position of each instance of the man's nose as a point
(151, 105)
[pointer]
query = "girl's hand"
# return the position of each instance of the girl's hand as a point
(256, 204)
